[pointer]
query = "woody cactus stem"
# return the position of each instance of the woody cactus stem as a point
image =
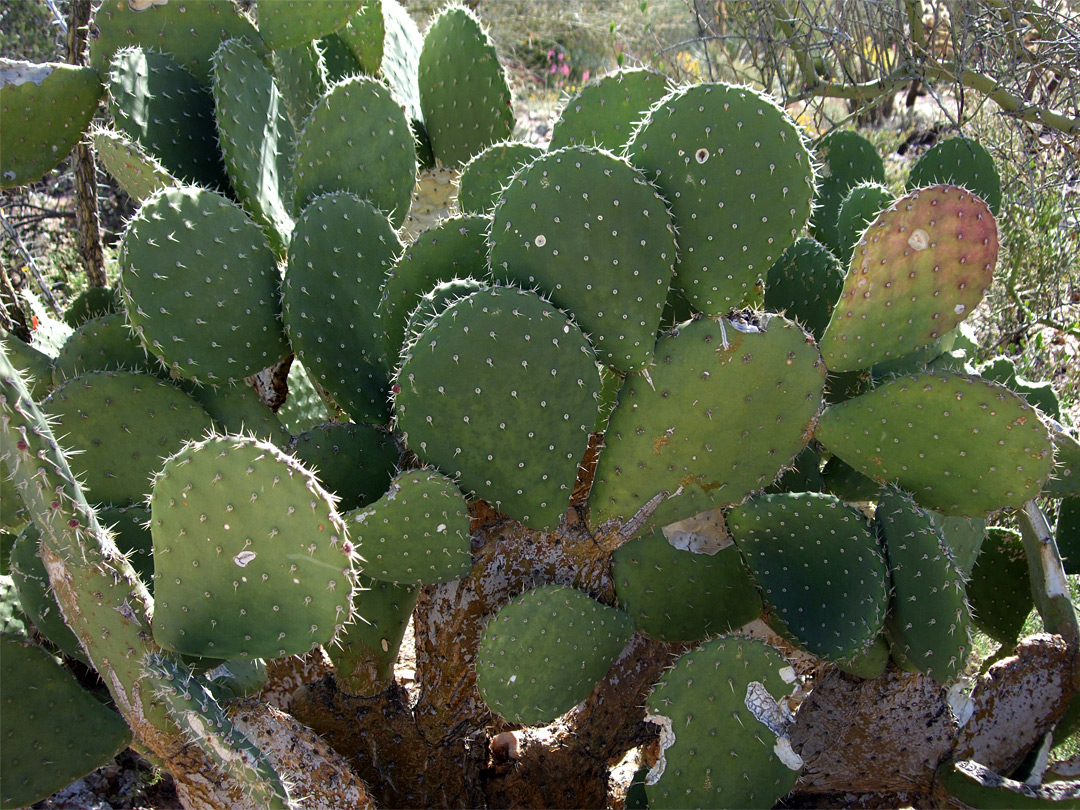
(1048, 583)
(108, 607)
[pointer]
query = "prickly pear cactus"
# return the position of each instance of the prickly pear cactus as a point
(999, 589)
(731, 690)
(606, 111)
(738, 177)
(960, 444)
(291, 23)
(354, 462)
(847, 159)
(963, 162)
(513, 428)
(918, 271)
(543, 653)
(197, 272)
(102, 344)
(483, 177)
(695, 431)
(46, 109)
(804, 284)
(251, 558)
(415, 534)
(584, 228)
(53, 731)
(464, 94)
(862, 206)
(133, 168)
(818, 564)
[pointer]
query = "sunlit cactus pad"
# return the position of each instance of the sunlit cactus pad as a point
(819, 566)
(929, 625)
(417, 533)
(723, 719)
(102, 344)
(586, 229)
(727, 405)
(962, 162)
(122, 424)
(847, 158)
(959, 444)
(739, 179)
(606, 111)
(501, 392)
(250, 554)
(292, 22)
(543, 653)
(804, 284)
(46, 108)
(201, 286)
(917, 272)
(484, 176)
(134, 169)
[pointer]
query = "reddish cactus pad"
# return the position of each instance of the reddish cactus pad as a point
(918, 271)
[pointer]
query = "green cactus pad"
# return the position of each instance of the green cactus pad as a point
(728, 404)
(607, 110)
(190, 32)
(456, 248)
(584, 228)
(192, 706)
(723, 723)
(862, 206)
(354, 462)
(367, 649)
(122, 424)
(341, 250)
(484, 176)
(918, 271)
(292, 23)
(256, 136)
(102, 344)
(514, 427)
(804, 474)
(12, 619)
(738, 176)
(402, 43)
(675, 595)
(847, 159)
(1000, 589)
(435, 300)
(300, 77)
(201, 286)
(357, 139)
(545, 651)
(415, 534)
(804, 284)
(364, 34)
(93, 302)
(52, 730)
(464, 93)
(251, 558)
(870, 663)
(305, 407)
(929, 624)
(960, 444)
(963, 537)
(33, 363)
(963, 162)
(133, 168)
(1042, 395)
(163, 107)
(819, 566)
(237, 409)
(46, 109)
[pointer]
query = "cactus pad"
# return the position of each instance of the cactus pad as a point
(357, 139)
(607, 110)
(464, 94)
(250, 555)
(354, 462)
(46, 109)
(728, 404)
(134, 169)
(584, 228)
(723, 719)
(52, 730)
(819, 566)
(201, 286)
(738, 176)
(1000, 589)
(415, 534)
(675, 595)
(862, 206)
(483, 177)
(367, 649)
(122, 424)
(847, 159)
(929, 625)
(102, 344)
(960, 444)
(543, 653)
(961, 162)
(918, 271)
(804, 284)
(291, 23)
(501, 391)
(341, 250)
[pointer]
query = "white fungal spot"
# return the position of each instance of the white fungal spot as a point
(919, 239)
(540, 240)
(243, 558)
(701, 155)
